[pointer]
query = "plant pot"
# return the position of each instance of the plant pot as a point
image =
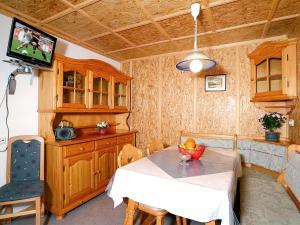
(103, 131)
(272, 136)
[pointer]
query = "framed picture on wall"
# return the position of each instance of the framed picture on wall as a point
(215, 82)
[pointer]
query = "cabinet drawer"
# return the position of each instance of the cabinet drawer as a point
(125, 139)
(104, 143)
(78, 148)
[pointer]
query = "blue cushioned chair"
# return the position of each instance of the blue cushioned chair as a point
(24, 176)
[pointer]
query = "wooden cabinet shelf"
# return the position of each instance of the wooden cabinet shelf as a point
(273, 75)
(274, 98)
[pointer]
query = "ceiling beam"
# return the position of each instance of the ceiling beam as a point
(221, 2)
(293, 27)
(222, 46)
(6, 10)
(155, 23)
(57, 16)
(271, 14)
(158, 18)
(217, 31)
(109, 29)
(85, 14)
(210, 15)
(69, 10)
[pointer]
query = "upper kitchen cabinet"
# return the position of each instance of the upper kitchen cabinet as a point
(79, 85)
(274, 75)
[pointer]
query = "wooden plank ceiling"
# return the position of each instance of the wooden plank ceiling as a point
(127, 29)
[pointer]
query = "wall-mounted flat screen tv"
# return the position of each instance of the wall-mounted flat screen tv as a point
(30, 44)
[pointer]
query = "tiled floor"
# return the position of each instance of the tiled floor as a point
(262, 202)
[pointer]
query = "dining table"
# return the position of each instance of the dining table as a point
(201, 190)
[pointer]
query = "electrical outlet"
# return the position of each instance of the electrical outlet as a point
(291, 122)
(2, 140)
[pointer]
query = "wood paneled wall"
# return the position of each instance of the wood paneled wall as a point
(294, 132)
(166, 101)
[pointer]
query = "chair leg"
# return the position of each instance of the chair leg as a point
(184, 221)
(7, 209)
(178, 220)
(43, 206)
(142, 216)
(38, 211)
(130, 210)
(159, 220)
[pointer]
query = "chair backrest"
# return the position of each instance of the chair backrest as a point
(129, 154)
(25, 158)
(153, 146)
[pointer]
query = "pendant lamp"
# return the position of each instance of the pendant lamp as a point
(195, 61)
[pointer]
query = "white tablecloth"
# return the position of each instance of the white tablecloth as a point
(201, 198)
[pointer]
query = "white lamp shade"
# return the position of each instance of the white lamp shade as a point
(207, 63)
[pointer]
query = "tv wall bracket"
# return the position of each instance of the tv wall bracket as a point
(22, 68)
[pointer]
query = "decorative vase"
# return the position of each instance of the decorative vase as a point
(103, 131)
(272, 136)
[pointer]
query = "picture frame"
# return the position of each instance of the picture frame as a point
(215, 83)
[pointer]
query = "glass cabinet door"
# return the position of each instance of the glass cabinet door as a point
(120, 94)
(262, 77)
(269, 76)
(100, 92)
(275, 68)
(74, 89)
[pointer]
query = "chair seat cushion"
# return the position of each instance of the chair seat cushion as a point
(21, 190)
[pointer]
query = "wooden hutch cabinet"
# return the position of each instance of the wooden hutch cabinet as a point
(83, 92)
(274, 75)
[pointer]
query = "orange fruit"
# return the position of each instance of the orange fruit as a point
(190, 143)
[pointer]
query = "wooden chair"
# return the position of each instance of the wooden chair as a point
(129, 154)
(153, 146)
(24, 177)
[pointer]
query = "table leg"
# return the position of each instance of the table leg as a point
(130, 210)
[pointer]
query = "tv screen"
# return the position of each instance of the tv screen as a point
(30, 44)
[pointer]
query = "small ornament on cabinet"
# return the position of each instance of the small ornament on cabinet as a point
(102, 127)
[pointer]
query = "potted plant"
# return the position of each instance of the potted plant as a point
(102, 127)
(271, 122)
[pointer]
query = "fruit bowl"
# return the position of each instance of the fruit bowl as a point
(194, 154)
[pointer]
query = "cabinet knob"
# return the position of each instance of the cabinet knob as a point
(81, 148)
(97, 172)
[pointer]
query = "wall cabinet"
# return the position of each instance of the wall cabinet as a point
(78, 172)
(274, 75)
(90, 85)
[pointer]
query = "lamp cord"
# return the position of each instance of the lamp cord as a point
(5, 97)
(195, 33)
